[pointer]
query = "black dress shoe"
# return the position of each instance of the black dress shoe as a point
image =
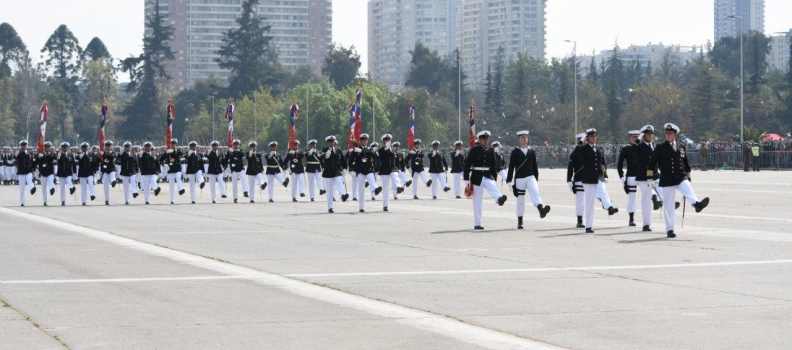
(223, 196)
(286, 182)
(63, 204)
(458, 197)
(202, 185)
(632, 223)
(181, 191)
(502, 200)
(646, 228)
(415, 197)
(354, 199)
(302, 194)
(362, 211)
(272, 201)
(330, 211)
(434, 197)
(45, 204)
(588, 230)
(377, 190)
(52, 191)
(367, 185)
(108, 202)
(235, 200)
(612, 210)
(312, 199)
(33, 191)
(519, 223)
(157, 191)
(399, 190)
(213, 202)
(543, 210)
(113, 183)
(93, 197)
(322, 192)
(580, 225)
(701, 204)
(134, 195)
(147, 203)
(252, 201)
(429, 183)
(670, 234)
(478, 227)
(193, 202)
(245, 194)
(385, 209)
(345, 197)
(294, 199)
(71, 190)
(447, 189)
(409, 182)
(173, 202)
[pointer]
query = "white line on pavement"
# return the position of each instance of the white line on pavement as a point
(542, 269)
(446, 326)
(128, 280)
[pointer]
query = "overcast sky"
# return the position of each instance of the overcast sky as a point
(595, 24)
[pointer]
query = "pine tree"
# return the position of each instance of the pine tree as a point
(96, 50)
(593, 73)
(61, 54)
(488, 88)
(12, 49)
(341, 66)
(497, 89)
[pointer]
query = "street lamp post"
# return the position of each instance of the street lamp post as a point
(459, 96)
(574, 55)
(213, 118)
(742, 79)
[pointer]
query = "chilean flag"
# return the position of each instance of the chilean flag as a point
(355, 123)
(43, 130)
(171, 117)
(230, 117)
(411, 130)
(472, 134)
(295, 113)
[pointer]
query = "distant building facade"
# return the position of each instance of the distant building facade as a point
(778, 59)
(751, 11)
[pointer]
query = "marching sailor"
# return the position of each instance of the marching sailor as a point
(401, 166)
(524, 170)
(387, 170)
(628, 154)
(371, 182)
(294, 163)
(148, 165)
(481, 170)
(172, 159)
(86, 162)
(255, 168)
(215, 171)
(575, 178)
(672, 161)
(594, 175)
(274, 166)
(414, 162)
(66, 169)
(46, 166)
(128, 174)
(437, 167)
(235, 160)
(499, 160)
(313, 166)
(457, 165)
(361, 164)
(643, 154)
(108, 169)
(333, 172)
(194, 168)
(25, 165)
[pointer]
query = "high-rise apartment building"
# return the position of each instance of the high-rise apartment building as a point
(483, 26)
(394, 26)
(301, 30)
(778, 59)
(750, 11)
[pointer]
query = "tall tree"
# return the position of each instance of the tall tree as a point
(497, 82)
(12, 49)
(593, 73)
(613, 73)
(61, 54)
(341, 66)
(148, 70)
(426, 69)
(96, 50)
(248, 52)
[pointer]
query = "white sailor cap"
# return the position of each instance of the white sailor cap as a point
(273, 143)
(108, 142)
(671, 127)
(126, 144)
(416, 141)
(435, 142)
(386, 137)
(634, 132)
(23, 142)
(252, 143)
(84, 144)
(297, 141)
(397, 144)
(522, 132)
(311, 142)
(458, 143)
(94, 147)
(147, 144)
(483, 134)
(330, 138)
(214, 143)
(65, 144)
(364, 136)
(174, 140)
(496, 144)
(591, 131)
(580, 136)
(374, 144)
(647, 129)
(47, 144)
(193, 143)
(236, 142)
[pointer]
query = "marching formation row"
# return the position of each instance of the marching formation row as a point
(475, 171)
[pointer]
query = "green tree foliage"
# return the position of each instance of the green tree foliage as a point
(427, 69)
(248, 52)
(12, 49)
(96, 50)
(61, 55)
(725, 55)
(341, 66)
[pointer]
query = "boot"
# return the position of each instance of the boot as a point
(322, 192)
(612, 210)
(157, 191)
(286, 182)
(657, 204)
(502, 200)
(543, 210)
(378, 190)
(429, 183)
(580, 222)
(519, 222)
(670, 234)
(701, 204)
(646, 228)
(632, 222)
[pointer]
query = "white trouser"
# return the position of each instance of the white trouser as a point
(593, 191)
(129, 185)
(214, 181)
(403, 177)
(314, 180)
(10, 173)
(438, 177)
(632, 200)
(25, 181)
(372, 181)
(47, 182)
(237, 176)
(354, 186)
(86, 188)
(252, 180)
(529, 185)
(333, 185)
(193, 179)
(148, 182)
(423, 177)
(478, 197)
(297, 183)
(3, 173)
(646, 202)
(271, 188)
(502, 174)
(361, 184)
(385, 190)
(579, 194)
(163, 172)
(174, 180)
(669, 199)
(457, 178)
(107, 180)
(63, 183)
(393, 179)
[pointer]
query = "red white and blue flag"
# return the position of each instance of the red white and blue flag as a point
(472, 134)
(293, 115)
(105, 111)
(355, 123)
(43, 129)
(230, 117)
(411, 130)
(171, 117)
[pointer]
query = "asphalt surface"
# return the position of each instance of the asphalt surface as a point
(289, 275)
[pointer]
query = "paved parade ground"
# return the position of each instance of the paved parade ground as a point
(290, 276)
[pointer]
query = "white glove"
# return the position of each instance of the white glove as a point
(205, 159)
(312, 151)
(41, 155)
(329, 152)
(358, 150)
(623, 179)
(291, 152)
(434, 153)
(457, 153)
(169, 151)
(273, 153)
(571, 185)
(412, 152)
(354, 174)
(374, 149)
